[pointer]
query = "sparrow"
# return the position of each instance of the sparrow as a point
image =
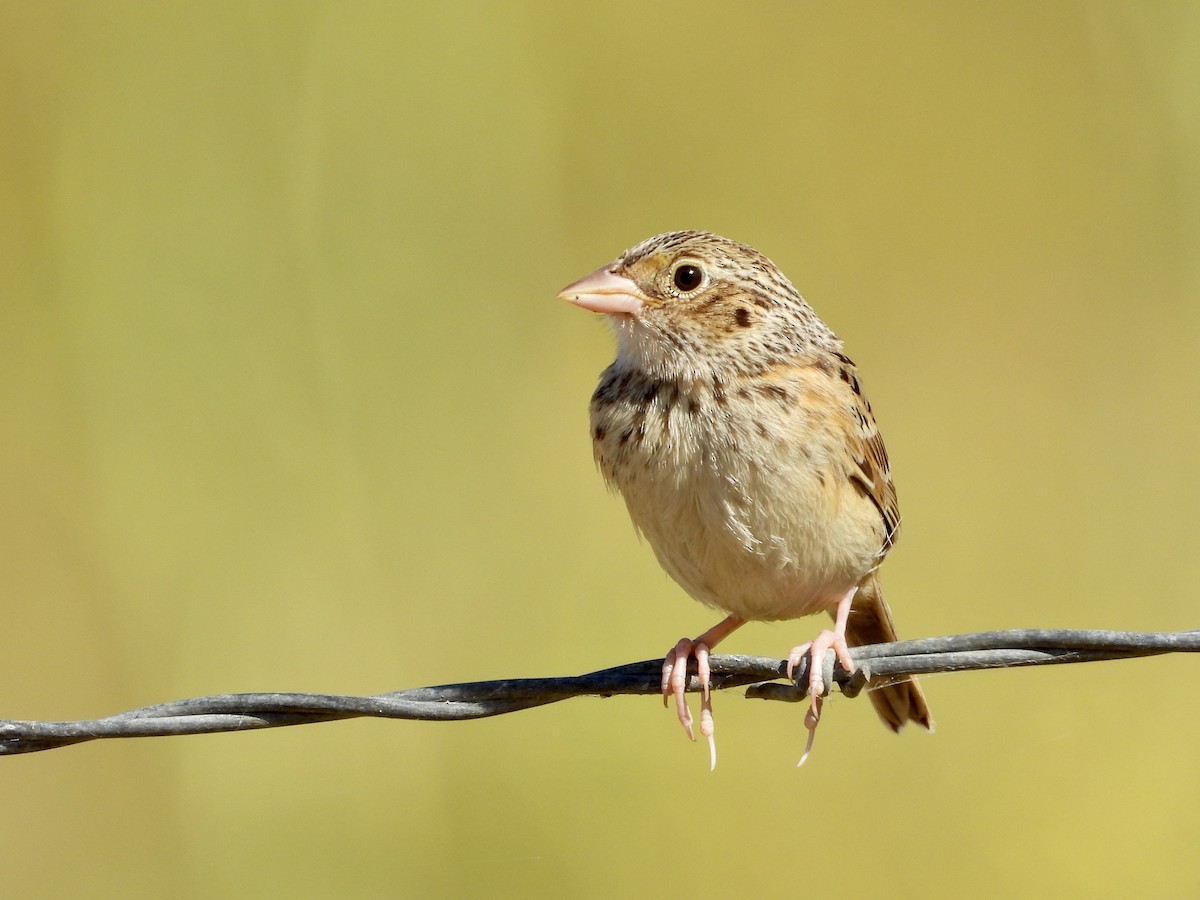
(738, 433)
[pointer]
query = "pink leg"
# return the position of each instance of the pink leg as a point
(674, 678)
(815, 651)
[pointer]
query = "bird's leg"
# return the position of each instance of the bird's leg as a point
(815, 651)
(674, 678)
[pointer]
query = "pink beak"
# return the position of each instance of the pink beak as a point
(604, 291)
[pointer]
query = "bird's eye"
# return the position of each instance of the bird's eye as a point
(688, 277)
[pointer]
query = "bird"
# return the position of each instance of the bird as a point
(739, 435)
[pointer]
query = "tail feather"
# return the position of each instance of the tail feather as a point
(897, 701)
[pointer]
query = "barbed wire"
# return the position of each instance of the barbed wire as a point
(473, 700)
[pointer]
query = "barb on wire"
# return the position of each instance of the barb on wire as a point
(473, 700)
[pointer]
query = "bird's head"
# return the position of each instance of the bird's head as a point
(693, 305)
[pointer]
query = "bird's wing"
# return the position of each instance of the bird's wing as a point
(871, 470)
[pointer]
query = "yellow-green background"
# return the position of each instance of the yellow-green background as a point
(286, 402)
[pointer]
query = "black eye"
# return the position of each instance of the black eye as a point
(688, 277)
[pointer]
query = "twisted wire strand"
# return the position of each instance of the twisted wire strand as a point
(764, 677)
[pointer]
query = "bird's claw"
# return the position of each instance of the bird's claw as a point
(675, 681)
(815, 651)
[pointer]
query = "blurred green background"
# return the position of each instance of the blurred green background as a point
(287, 403)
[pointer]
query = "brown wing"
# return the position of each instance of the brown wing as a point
(834, 377)
(872, 471)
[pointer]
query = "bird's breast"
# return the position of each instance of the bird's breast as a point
(741, 490)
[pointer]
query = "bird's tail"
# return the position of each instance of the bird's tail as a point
(897, 701)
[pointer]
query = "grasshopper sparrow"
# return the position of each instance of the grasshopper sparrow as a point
(738, 432)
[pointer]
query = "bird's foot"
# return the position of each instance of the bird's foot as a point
(815, 651)
(675, 679)
(674, 682)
